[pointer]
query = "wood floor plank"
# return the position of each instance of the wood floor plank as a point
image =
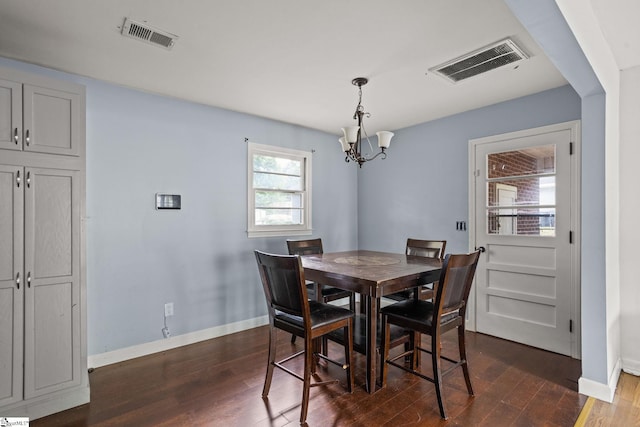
(219, 383)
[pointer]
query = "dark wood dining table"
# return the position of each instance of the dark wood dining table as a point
(372, 275)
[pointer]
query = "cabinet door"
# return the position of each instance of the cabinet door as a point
(52, 311)
(51, 121)
(11, 283)
(10, 115)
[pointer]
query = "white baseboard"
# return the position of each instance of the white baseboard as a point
(122, 354)
(631, 366)
(604, 392)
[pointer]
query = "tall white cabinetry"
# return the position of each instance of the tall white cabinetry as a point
(43, 351)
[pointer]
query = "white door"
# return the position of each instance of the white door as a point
(526, 204)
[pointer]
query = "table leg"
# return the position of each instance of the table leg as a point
(372, 329)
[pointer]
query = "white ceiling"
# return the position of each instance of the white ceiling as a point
(288, 60)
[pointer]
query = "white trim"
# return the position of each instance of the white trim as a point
(604, 392)
(631, 366)
(122, 354)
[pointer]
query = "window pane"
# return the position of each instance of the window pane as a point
(525, 191)
(278, 199)
(522, 222)
(278, 216)
(528, 161)
(265, 163)
(279, 182)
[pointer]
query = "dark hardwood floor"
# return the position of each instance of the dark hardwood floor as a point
(219, 382)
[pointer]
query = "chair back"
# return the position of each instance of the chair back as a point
(455, 283)
(426, 248)
(304, 247)
(283, 282)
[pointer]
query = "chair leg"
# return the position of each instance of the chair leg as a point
(437, 372)
(270, 361)
(418, 352)
(293, 338)
(463, 357)
(415, 356)
(348, 355)
(325, 346)
(352, 302)
(308, 366)
(315, 349)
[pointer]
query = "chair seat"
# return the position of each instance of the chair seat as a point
(426, 292)
(360, 334)
(321, 315)
(415, 314)
(327, 292)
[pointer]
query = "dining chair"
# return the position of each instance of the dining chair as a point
(291, 310)
(427, 249)
(433, 318)
(327, 293)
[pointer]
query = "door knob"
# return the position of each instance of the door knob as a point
(481, 249)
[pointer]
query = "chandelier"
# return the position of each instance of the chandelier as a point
(352, 140)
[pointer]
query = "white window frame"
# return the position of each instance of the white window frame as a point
(254, 230)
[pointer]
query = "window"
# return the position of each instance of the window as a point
(279, 191)
(521, 192)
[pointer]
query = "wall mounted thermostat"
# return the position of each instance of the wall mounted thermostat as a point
(168, 201)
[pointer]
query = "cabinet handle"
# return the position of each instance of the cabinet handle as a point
(18, 179)
(15, 135)
(27, 139)
(28, 179)
(18, 280)
(28, 279)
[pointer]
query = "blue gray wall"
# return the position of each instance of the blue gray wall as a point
(421, 189)
(199, 258)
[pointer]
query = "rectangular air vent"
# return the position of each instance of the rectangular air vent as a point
(148, 34)
(480, 61)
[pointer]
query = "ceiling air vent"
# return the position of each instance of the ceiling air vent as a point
(480, 61)
(148, 34)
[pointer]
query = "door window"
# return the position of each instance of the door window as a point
(521, 192)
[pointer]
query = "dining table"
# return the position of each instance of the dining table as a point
(373, 275)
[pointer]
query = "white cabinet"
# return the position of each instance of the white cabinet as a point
(39, 119)
(43, 356)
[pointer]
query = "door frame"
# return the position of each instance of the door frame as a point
(574, 128)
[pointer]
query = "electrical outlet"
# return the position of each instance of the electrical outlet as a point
(168, 309)
(166, 333)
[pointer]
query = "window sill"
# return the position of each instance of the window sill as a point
(278, 233)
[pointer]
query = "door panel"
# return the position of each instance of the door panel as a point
(525, 291)
(10, 115)
(51, 121)
(52, 234)
(11, 284)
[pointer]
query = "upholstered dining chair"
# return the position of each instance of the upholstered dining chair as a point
(291, 310)
(427, 249)
(327, 293)
(433, 318)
